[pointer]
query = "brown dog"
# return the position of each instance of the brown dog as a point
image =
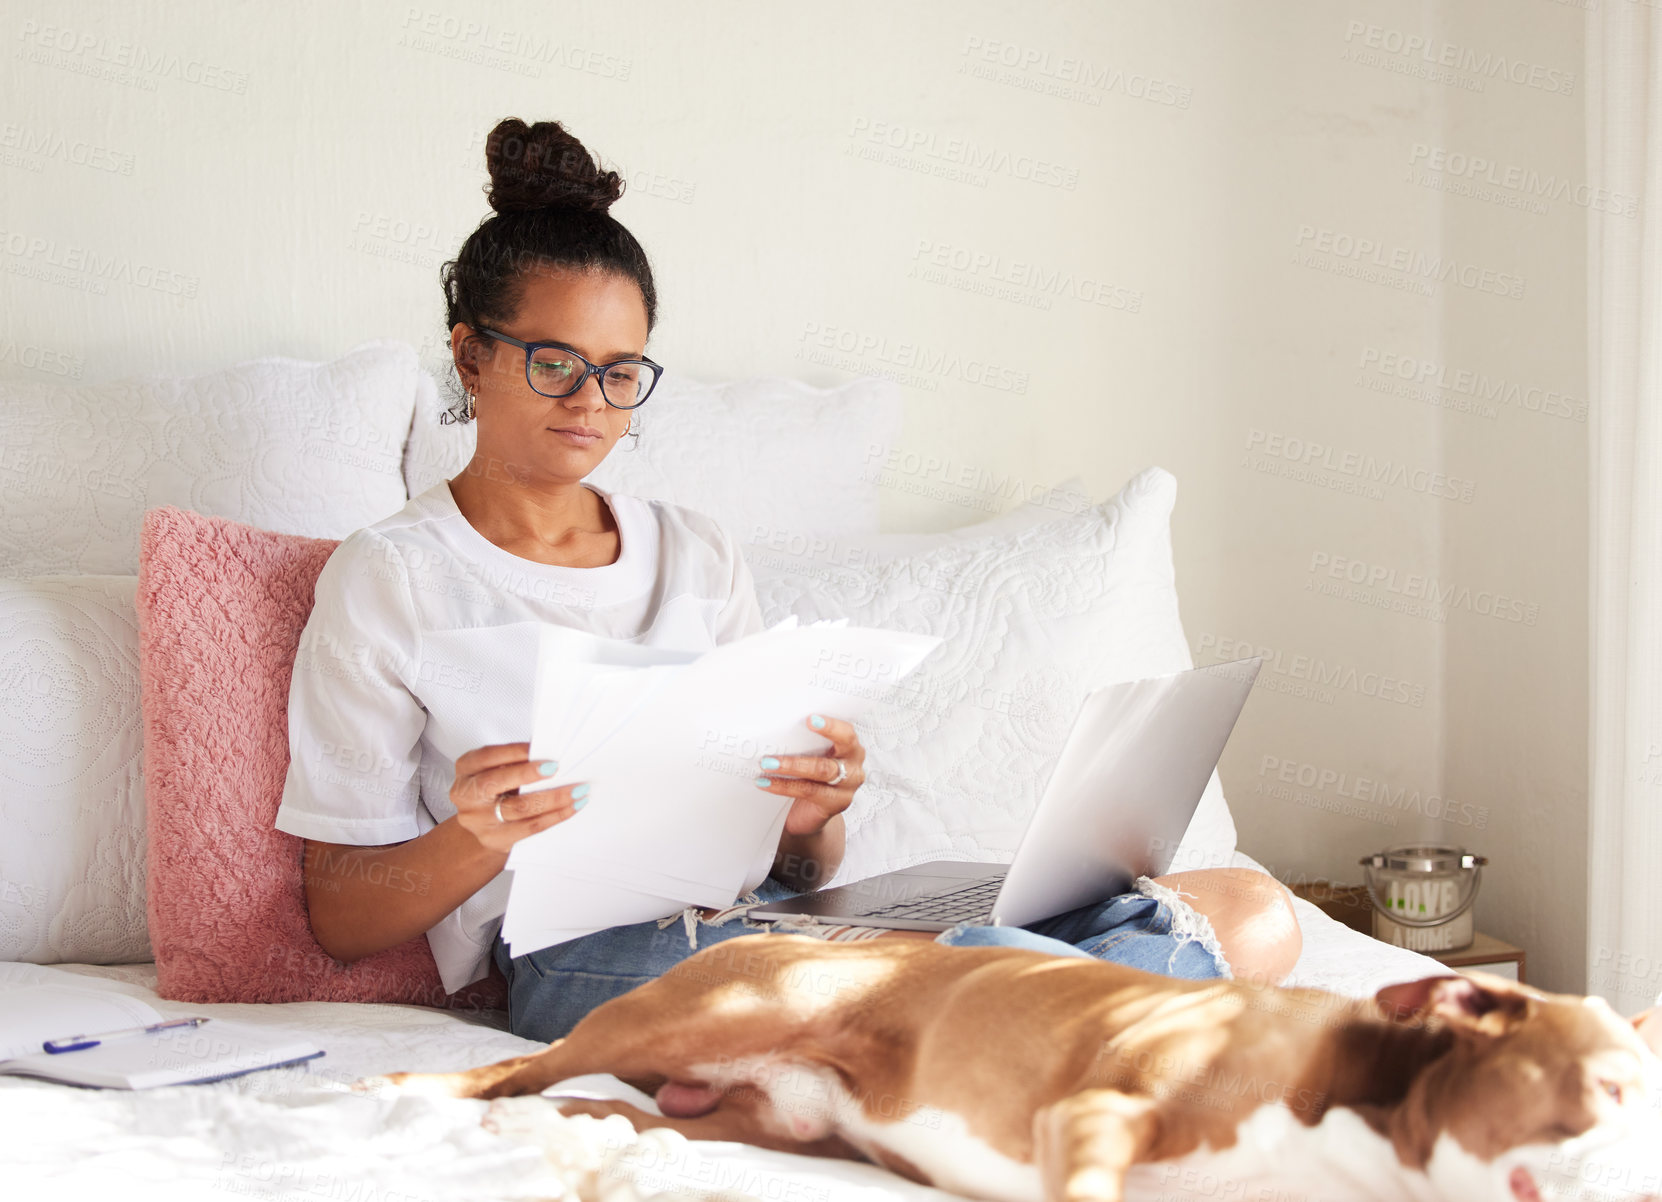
(1010, 1074)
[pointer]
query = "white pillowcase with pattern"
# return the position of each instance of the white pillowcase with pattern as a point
(1033, 618)
(288, 445)
(72, 861)
(766, 449)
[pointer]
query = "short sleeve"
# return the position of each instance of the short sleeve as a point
(742, 613)
(354, 725)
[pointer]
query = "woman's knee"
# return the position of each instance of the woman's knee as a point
(1252, 916)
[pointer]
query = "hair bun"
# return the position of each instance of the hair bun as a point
(542, 166)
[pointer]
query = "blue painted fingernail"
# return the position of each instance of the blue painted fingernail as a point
(769, 763)
(762, 782)
(549, 767)
(816, 721)
(580, 791)
(580, 804)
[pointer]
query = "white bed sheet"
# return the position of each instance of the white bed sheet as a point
(300, 1133)
(1344, 961)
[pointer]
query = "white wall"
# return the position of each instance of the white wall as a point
(189, 184)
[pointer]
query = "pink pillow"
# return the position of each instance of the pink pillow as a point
(221, 606)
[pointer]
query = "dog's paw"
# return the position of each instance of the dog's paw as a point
(421, 1085)
(595, 1108)
(524, 1118)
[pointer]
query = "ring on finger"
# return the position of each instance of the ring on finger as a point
(842, 772)
(499, 816)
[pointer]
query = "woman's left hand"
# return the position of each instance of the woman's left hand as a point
(807, 777)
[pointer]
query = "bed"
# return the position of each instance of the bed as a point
(309, 450)
(301, 1133)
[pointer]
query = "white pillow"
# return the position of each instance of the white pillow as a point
(780, 550)
(72, 860)
(1033, 619)
(732, 451)
(288, 445)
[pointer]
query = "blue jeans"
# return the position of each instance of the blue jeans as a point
(550, 990)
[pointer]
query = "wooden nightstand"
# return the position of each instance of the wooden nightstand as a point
(1486, 954)
(1349, 904)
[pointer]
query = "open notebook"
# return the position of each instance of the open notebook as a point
(39, 1004)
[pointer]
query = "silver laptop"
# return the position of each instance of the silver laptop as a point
(1117, 804)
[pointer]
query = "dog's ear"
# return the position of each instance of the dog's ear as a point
(1649, 1026)
(1480, 1004)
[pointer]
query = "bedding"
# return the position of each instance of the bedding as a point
(742, 451)
(300, 1132)
(71, 772)
(222, 606)
(284, 444)
(229, 445)
(1035, 612)
(300, 448)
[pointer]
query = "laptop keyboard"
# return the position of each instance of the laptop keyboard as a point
(972, 901)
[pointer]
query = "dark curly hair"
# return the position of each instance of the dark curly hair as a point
(550, 197)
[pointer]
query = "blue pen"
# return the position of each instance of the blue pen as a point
(76, 1043)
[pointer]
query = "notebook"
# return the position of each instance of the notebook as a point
(44, 1004)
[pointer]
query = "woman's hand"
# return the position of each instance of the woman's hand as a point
(806, 777)
(486, 775)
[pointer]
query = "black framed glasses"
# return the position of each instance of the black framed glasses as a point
(558, 371)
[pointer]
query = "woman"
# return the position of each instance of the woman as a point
(411, 667)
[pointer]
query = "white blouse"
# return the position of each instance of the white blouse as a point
(421, 646)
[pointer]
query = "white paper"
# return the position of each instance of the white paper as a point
(670, 745)
(571, 668)
(32, 1013)
(674, 882)
(213, 1050)
(597, 900)
(575, 906)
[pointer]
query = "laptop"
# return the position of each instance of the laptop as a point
(1117, 804)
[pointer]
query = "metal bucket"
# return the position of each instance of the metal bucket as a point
(1423, 896)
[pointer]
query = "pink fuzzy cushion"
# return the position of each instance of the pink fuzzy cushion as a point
(221, 606)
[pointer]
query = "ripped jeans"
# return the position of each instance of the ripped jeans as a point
(550, 990)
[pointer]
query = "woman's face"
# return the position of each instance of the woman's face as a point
(602, 317)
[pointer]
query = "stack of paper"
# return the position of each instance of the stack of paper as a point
(670, 743)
